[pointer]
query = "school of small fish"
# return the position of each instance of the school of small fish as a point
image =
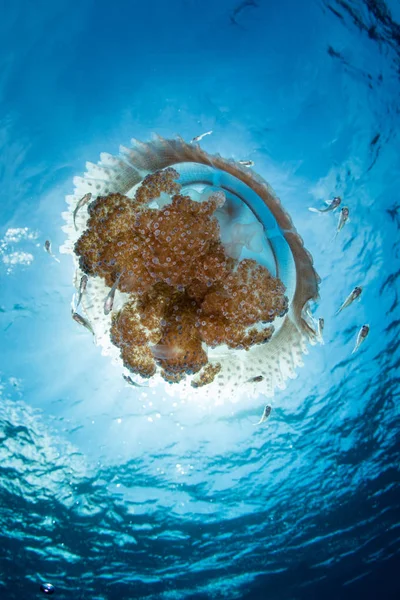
(332, 205)
(356, 292)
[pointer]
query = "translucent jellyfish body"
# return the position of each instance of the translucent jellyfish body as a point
(211, 279)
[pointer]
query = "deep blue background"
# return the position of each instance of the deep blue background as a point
(109, 492)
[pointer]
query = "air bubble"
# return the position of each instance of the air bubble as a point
(47, 588)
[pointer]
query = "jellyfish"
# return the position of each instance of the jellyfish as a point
(212, 282)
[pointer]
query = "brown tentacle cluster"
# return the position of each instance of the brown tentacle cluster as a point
(185, 291)
(207, 375)
(128, 333)
(155, 184)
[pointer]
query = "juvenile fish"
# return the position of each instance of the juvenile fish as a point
(84, 200)
(82, 321)
(343, 218)
(331, 206)
(320, 330)
(309, 320)
(47, 247)
(256, 379)
(82, 288)
(200, 137)
(362, 334)
(246, 163)
(129, 380)
(356, 293)
(265, 415)
(109, 301)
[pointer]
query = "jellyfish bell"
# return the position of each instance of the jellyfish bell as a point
(214, 281)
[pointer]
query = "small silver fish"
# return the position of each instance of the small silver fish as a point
(82, 321)
(129, 380)
(343, 218)
(356, 293)
(84, 200)
(246, 163)
(362, 334)
(82, 288)
(265, 415)
(109, 301)
(47, 247)
(331, 206)
(320, 330)
(200, 137)
(256, 379)
(309, 320)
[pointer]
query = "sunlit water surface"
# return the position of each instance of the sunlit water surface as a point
(107, 491)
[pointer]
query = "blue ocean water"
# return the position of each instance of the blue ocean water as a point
(112, 492)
